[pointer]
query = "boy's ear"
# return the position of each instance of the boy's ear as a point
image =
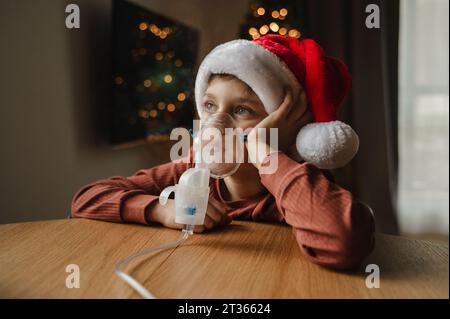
(306, 118)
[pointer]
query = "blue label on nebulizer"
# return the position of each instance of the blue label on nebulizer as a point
(190, 210)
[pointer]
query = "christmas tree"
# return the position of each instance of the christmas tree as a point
(272, 17)
(154, 59)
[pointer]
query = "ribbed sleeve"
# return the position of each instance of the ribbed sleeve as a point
(125, 199)
(330, 226)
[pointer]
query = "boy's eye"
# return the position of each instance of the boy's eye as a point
(209, 107)
(241, 110)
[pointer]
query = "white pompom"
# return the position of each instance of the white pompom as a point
(327, 145)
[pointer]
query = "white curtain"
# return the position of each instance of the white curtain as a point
(423, 202)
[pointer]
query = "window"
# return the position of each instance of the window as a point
(424, 117)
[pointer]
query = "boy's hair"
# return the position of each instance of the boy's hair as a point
(228, 77)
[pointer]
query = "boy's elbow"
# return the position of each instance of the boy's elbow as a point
(345, 254)
(352, 255)
(346, 249)
(353, 246)
(80, 202)
(76, 207)
(355, 242)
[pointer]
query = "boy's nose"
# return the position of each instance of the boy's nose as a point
(219, 120)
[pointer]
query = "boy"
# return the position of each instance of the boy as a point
(273, 82)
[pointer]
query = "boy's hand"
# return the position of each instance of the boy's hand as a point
(165, 215)
(289, 118)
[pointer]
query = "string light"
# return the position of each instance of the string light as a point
(167, 78)
(264, 29)
(142, 26)
(252, 31)
(170, 54)
(153, 28)
(274, 27)
(181, 97)
(170, 107)
(159, 56)
(294, 33)
(161, 105)
(261, 11)
(118, 80)
(143, 113)
(178, 63)
(160, 32)
(147, 83)
(282, 31)
(283, 12)
(275, 14)
(153, 113)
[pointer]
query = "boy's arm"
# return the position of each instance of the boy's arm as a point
(126, 199)
(331, 228)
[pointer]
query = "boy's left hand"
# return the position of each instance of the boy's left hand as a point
(289, 118)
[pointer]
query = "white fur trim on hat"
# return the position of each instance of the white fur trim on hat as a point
(263, 71)
(327, 145)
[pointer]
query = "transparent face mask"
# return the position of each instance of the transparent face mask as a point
(219, 144)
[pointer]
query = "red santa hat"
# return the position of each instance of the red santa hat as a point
(271, 63)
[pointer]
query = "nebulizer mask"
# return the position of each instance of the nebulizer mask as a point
(218, 150)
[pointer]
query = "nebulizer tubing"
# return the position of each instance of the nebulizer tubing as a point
(190, 221)
(133, 283)
(186, 232)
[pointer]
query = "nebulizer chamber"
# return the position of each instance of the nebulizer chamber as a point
(211, 148)
(191, 196)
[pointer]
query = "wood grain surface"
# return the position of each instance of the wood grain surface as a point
(243, 260)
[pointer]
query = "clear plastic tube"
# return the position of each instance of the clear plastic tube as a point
(133, 283)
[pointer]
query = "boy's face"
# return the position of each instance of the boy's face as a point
(232, 96)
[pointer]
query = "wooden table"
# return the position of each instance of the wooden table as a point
(243, 260)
